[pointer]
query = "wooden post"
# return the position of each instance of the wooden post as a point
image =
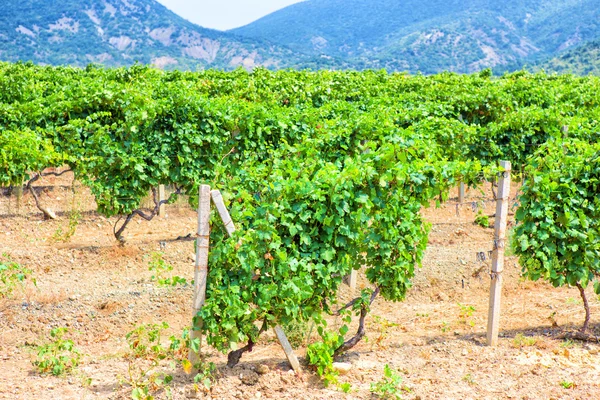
(201, 268)
(161, 197)
(461, 193)
(498, 254)
(19, 195)
(217, 199)
(352, 279)
(287, 348)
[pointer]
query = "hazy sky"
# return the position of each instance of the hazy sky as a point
(224, 14)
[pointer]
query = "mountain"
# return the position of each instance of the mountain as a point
(431, 35)
(408, 35)
(583, 60)
(122, 32)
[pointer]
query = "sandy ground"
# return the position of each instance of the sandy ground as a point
(435, 340)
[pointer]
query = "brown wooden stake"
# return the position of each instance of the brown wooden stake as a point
(201, 267)
(217, 199)
(498, 254)
(161, 197)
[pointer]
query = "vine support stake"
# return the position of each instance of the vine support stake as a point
(201, 267)
(498, 253)
(352, 279)
(19, 194)
(217, 199)
(161, 197)
(287, 348)
(461, 193)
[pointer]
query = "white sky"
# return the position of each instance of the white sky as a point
(224, 14)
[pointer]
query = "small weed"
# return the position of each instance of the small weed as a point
(567, 343)
(144, 356)
(389, 386)
(345, 387)
(206, 373)
(320, 354)
(465, 314)
(445, 326)
(147, 353)
(58, 357)
(552, 318)
(482, 220)
(567, 384)
(469, 379)
(521, 340)
(573, 301)
(63, 235)
(384, 329)
(160, 269)
(13, 276)
(206, 376)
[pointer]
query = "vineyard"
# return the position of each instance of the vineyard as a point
(324, 173)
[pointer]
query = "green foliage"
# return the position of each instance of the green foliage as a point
(556, 237)
(205, 377)
(298, 332)
(412, 35)
(74, 220)
(482, 220)
(389, 386)
(521, 341)
(384, 327)
(320, 354)
(465, 314)
(583, 60)
(567, 384)
(345, 387)
(323, 172)
(23, 151)
(13, 276)
(160, 269)
(30, 35)
(58, 357)
(145, 354)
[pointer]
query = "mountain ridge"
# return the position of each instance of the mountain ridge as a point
(431, 36)
(425, 36)
(122, 32)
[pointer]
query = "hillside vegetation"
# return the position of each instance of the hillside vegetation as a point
(583, 60)
(123, 32)
(408, 35)
(431, 36)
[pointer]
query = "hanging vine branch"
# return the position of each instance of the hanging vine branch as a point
(118, 233)
(48, 213)
(360, 333)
